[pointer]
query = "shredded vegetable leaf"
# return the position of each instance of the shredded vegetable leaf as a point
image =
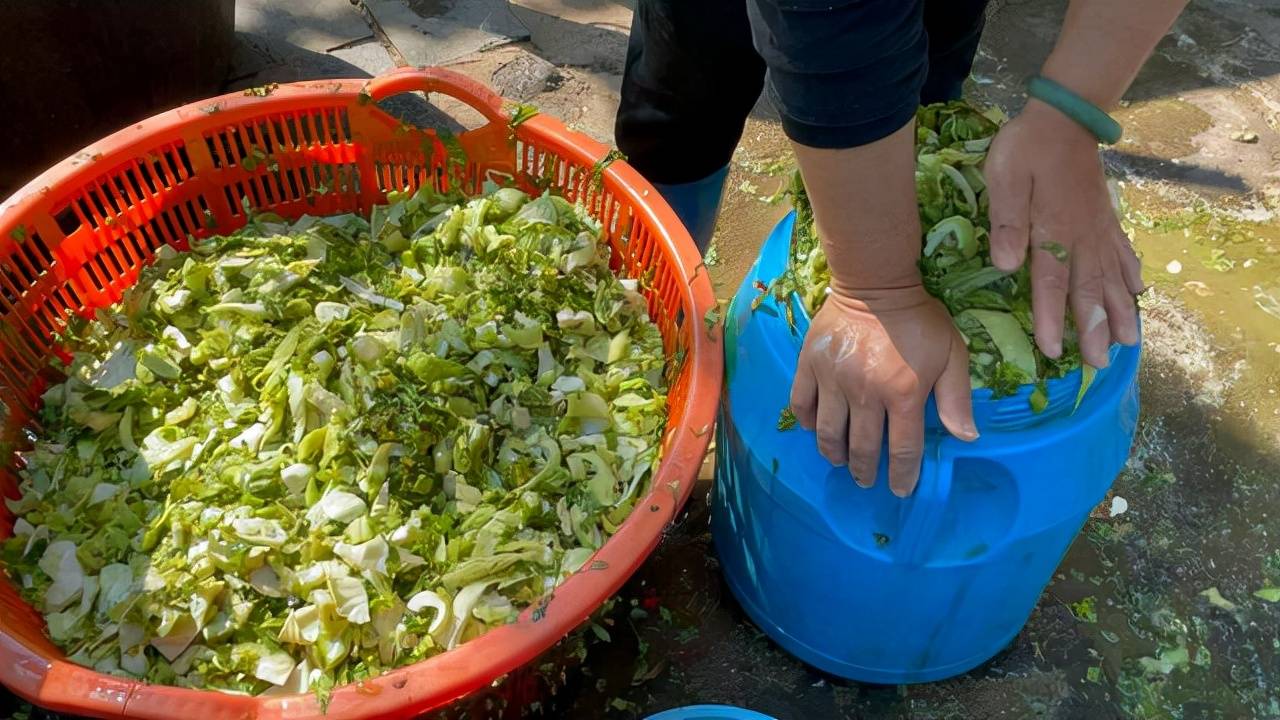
(262, 90)
(1009, 339)
(597, 170)
(1087, 373)
(1056, 249)
(711, 319)
(315, 450)
(991, 308)
(1039, 398)
(521, 114)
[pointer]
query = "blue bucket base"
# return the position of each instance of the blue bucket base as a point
(849, 671)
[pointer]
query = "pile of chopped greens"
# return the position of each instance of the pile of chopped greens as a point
(992, 309)
(306, 453)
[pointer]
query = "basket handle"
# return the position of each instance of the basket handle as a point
(438, 80)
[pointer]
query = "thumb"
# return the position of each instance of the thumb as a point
(954, 395)
(1009, 194)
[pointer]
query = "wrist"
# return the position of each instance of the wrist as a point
(1081, 79)
(872, 285)
(879, 299)
(883, 259)
(1087, 115)
(1055, 126)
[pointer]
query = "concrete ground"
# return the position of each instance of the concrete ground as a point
(1153, 613)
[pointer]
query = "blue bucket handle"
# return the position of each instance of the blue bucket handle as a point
(922, 512)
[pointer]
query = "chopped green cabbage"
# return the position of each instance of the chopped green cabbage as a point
(308, 452)
(991, 309)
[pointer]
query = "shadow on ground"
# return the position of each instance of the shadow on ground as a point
(286, 62)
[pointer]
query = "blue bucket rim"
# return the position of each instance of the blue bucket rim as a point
(709, 712)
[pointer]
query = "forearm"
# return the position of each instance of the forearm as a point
(864, 207)
(1103, 44)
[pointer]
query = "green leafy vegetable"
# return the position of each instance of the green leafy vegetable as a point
(309, 452)
(991, 309)
(1215, 598)
(1056, 249)
(597, 170)
(262, 90)
(521, 113)
(1270, 594)
(1039, 397)
(1087, 373)
(1085, 609)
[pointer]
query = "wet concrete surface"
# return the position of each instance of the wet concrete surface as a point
(1154, 613)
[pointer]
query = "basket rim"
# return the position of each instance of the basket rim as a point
(433, 683)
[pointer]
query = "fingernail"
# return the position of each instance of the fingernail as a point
(858, 478)
(900, 491)
(971, 432)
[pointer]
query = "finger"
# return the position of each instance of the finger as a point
(1010, 212)
(1088, 307)
(1130, 265)
(906, 444)
(833, 427)
(1049, 283)
(953, 394)
(1122, 311)
(866, 434)
(804, 396)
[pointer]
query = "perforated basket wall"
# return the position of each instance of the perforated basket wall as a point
(76, 237)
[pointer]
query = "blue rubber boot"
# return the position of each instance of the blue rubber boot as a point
(697, 204)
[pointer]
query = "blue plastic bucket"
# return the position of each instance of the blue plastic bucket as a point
(709, 712)
(875, 588)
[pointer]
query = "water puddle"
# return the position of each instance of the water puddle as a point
(1226, 272)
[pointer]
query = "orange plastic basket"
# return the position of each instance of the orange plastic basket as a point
(76, 237)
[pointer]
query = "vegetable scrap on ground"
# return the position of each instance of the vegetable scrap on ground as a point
(309, 452)
(991, 308)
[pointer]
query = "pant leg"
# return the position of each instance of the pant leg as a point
(954, 28)
(842, 73)
(692, 77)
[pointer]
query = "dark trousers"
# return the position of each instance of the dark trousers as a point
(841, 73)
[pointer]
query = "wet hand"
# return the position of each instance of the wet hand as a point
(879, 354)
(1049, 199)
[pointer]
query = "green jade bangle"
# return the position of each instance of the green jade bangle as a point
(1089, 116)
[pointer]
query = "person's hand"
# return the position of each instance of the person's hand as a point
(1049, 197)
(881, 352)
